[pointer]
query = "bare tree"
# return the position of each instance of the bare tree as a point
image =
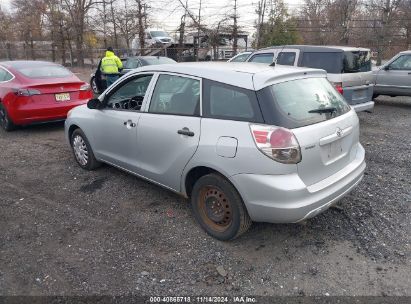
(78, 10)
(29, 22)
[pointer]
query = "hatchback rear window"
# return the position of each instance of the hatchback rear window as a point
(47, 71)
(301, 102)
(329, 61)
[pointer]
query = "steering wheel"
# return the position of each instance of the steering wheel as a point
(135, 102)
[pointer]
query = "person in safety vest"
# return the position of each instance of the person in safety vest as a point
(110, 66)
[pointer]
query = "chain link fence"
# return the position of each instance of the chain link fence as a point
(68, 57)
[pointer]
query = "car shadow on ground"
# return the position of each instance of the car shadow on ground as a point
(399, 101)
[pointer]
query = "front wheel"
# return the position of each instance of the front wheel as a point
(5, 121)
(218, 208)
(82, 151)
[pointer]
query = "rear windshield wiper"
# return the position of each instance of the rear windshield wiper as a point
(324, 110)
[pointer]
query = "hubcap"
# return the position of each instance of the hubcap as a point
(215, 208)
(80, 150)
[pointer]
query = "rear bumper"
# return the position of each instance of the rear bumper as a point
(366, 106)
(29, 113)
(286, 199)
(360, 97)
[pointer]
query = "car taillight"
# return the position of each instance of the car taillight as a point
(338, 87)
(26, 92)
(277, 143)
(85, 87)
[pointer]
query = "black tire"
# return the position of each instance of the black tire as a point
(94, 86)
(78, 139)
(218, 208)
(5, 121)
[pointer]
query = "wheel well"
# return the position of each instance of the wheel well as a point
(71, 130)
(194, 175)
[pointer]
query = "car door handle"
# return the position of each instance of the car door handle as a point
(129, 123)
(409, 73)
(185, 131)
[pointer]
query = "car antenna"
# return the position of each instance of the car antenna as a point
(276, 57)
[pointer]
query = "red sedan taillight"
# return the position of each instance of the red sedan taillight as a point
(85, 87)
(278, 143)
(26, 92)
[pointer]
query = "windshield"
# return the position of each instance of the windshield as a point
(47, 71)
(158, 34)
(157, 60)
(301, 102)
(357, 61)
(263, 58)
(240, 57)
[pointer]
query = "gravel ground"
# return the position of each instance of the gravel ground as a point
(66, 231)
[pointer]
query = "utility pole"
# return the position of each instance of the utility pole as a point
(104, 24)
(235, 30)
(182, 31)
(198, 33)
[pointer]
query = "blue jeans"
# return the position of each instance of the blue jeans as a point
(111, 78)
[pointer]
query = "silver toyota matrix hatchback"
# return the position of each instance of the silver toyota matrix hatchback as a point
(245, 142)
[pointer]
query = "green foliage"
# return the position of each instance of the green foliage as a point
(280, 28)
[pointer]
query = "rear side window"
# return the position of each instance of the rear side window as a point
(46, 71)
(223, 101)
(263, 58)
(176, 95)
(298, 103)
(357, 61)
(286, 58)
(5, 75)
(329, 61)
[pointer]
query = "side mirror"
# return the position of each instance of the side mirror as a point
(386, 68)
(94, 103)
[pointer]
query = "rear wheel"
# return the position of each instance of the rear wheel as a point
(5, 121)
(93, 85)
(218, 208)
(82, 151)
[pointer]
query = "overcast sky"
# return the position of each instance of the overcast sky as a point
(166, 14)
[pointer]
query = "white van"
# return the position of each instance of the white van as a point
(348, 68)
(153, 38)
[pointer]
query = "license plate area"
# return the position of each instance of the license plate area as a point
(62, 97)
(334, 149)
(359, 94)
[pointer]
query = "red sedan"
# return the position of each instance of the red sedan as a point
(38, 91)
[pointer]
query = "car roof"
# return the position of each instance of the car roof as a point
(315, 48)
(25, 63)
(252, 76)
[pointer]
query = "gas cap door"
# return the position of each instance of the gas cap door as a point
(227, 146)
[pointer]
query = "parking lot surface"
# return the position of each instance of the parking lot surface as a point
(66, 231)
